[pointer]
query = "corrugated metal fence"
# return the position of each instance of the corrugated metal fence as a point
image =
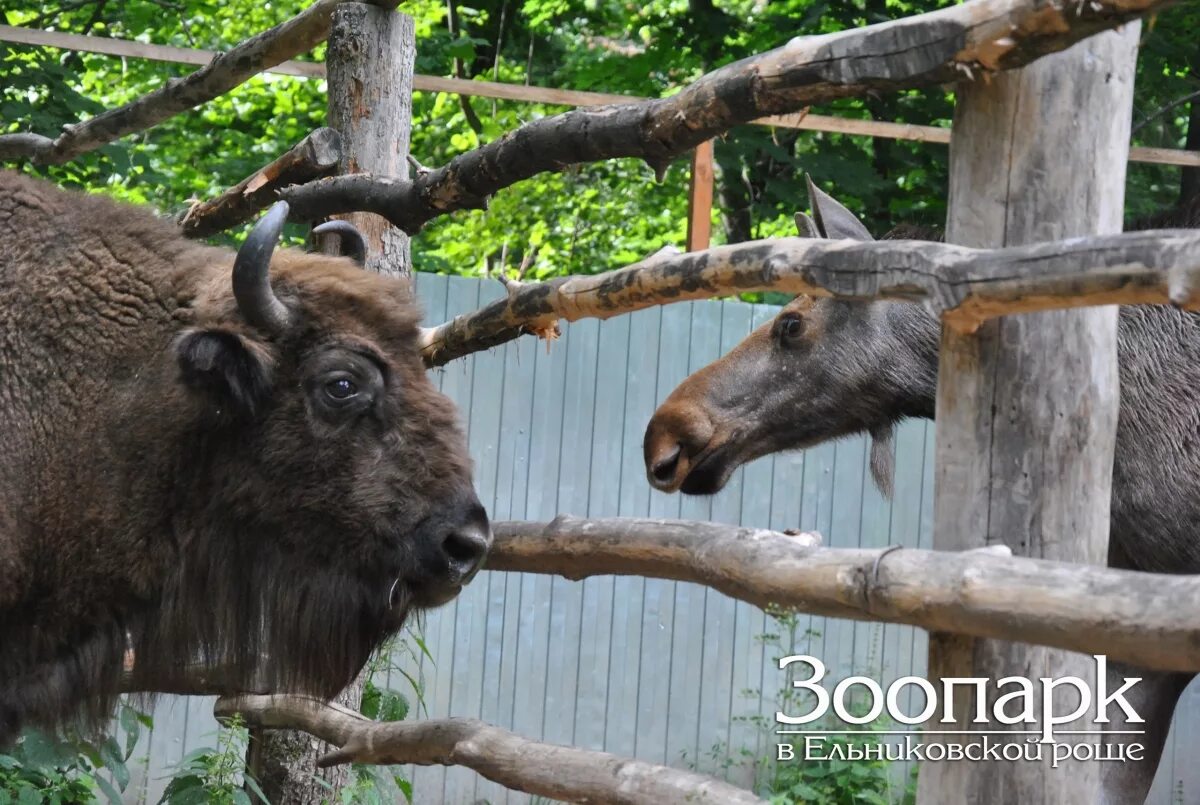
(665, 671)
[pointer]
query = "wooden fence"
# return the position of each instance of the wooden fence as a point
(659, 670)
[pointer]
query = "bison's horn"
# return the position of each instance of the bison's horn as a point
(251, 273)
(354, 245)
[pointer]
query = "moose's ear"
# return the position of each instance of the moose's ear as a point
(234, 370)
(806, 227)
(833, 220)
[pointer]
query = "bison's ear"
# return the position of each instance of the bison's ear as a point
(232, 369)
(832, 218)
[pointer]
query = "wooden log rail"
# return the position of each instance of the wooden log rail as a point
(967, 286)
(316, 155)
(945, 46)
(524, 93)
(1148, 620)
(960, 42)
(548, 770)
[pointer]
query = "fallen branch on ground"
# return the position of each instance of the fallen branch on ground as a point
(316, 155)
(967, 286)
(944, 46)
(1149, 620)
(298, 35)
(548, 770)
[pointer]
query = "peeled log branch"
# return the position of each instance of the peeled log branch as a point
(298, 35)
(945, 46)
(191, 680)
(1149, 620)
(315, 155)
(559, 772)
(967, 286)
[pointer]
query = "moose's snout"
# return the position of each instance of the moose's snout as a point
(466, 546)
(676, 435)
(662, 470)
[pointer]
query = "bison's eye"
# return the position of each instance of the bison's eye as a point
(789, 329)
(341, 389)
(342, 384)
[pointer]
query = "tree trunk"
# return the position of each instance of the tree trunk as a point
(1189, 182)
(1027, 406)
(732, 194)
(370, 69)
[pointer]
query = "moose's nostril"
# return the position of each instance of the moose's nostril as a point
(664, 469)
(465, 549)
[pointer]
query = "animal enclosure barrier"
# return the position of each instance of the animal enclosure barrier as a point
(560, 431)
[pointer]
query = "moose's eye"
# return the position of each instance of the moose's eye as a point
(341, 389)
(790, 329)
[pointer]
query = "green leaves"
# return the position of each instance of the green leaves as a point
(67, 769)
(383, 705)
(215, 774)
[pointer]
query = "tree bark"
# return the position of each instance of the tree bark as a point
(966, 287)
(1189, 181)
(370, 69)
(370, 72)
(549, 770)
(316, 155)
(1149, 619)
(1027, 406)
(970, 41)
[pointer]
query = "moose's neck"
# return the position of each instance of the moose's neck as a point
(913, 372)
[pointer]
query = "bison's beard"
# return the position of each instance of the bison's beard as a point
(244, 617)
(234, 616)
(80, 684)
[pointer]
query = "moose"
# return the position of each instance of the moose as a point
(827, 368)
(215, 460)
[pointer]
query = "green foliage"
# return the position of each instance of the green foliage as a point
(832, 781)
(590, 218)
(215, 775)
(838, 782)
(63, 770)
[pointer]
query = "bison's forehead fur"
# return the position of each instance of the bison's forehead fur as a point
(331, 294)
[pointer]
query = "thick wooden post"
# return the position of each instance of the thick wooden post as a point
(1027, 407)
(369, 65)
(370, 72)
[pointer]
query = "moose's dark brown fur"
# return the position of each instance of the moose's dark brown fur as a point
(179, 482)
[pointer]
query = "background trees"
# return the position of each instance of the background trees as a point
(584, 220)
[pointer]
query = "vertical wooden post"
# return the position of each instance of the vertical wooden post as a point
(369, 69)
(369, 64)
(700, 198)
(1027, 407)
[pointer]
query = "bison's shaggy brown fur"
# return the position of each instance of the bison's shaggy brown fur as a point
(174, 482)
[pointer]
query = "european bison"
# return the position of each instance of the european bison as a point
(827, 368)
(251, 475)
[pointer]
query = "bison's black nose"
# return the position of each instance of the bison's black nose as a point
(465, 548)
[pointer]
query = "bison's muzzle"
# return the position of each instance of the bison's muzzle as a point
(452, 548)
